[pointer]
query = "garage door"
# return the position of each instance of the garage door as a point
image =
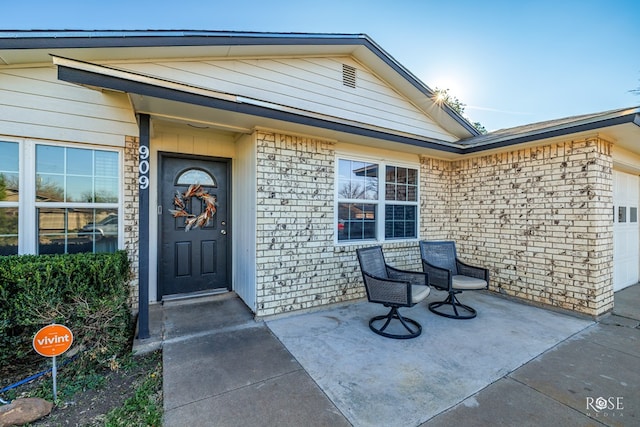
(626, 234)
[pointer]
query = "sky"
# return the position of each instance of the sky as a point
(511, 62)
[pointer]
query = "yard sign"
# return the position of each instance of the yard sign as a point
(52, 341)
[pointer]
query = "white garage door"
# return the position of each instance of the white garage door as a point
(626, 234)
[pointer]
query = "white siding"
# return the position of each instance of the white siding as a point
(244, 224)
(34, 104)
(309, 84)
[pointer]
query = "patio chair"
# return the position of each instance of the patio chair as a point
(392, 288)
(446, 272)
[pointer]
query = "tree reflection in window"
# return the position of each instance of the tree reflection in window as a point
(78, 175)
(357, 180)
(9, 197)
(77, 179)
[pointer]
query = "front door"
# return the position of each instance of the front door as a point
(194, 225)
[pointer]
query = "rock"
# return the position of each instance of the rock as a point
(23, 411)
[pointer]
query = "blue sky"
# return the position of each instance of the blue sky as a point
(512, 62)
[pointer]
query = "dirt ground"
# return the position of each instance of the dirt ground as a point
(89, 407)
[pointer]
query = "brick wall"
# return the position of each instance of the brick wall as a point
(540, 218)
(299, 266)
(131, 214)
(294, 223)
(435, 199)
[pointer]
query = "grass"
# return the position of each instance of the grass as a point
(144, 408)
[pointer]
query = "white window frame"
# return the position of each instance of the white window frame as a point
(5, 204)
(380, 202)
(27, 205)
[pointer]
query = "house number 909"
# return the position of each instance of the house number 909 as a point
(143, 167)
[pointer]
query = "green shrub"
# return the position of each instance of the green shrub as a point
(88, 293)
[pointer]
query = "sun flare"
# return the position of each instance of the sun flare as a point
(449, 83)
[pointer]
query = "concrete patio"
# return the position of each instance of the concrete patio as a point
(512, 365)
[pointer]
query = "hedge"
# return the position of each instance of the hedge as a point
(88, 293)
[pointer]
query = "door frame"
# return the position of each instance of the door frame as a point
(161, 209)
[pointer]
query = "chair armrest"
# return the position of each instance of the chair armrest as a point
(387, 291)
(413, 277)
(472, 271)
(439, 277)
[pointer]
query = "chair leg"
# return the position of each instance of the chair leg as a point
(405, 321)
(453, 301)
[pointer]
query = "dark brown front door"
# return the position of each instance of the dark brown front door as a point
(196, 259)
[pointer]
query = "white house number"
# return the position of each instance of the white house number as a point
(143, 167)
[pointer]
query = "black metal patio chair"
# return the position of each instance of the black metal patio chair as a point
(446, 272)
(392, 288)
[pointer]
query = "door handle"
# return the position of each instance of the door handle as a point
(223, 231)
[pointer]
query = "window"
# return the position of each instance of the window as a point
(196, 176)
(368, 210)
(9, 197)
(400, 218)
(622, 214)
(76, 199)
(57, 199)
(633, 214)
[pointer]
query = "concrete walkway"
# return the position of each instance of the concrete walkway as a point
(512, 365)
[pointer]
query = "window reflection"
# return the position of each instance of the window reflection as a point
(50, 159)
(393, 207)
(9, 182)
(79, 189)
(76, 175)
(8, 231)
(77, 230)
(79, 162)
(357, 221)
(106, 190)
(76, 180)
(357, 180)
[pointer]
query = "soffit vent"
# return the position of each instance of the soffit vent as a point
(348, 76)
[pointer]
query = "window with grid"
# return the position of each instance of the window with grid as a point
(77, 199)
(401, 203)
(370, 210)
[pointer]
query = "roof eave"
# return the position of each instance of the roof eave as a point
(105, 39)
(97, 76)
(557, 131)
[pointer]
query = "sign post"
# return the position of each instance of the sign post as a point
(52, 341)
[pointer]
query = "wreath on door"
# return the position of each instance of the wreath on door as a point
(191, 220)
